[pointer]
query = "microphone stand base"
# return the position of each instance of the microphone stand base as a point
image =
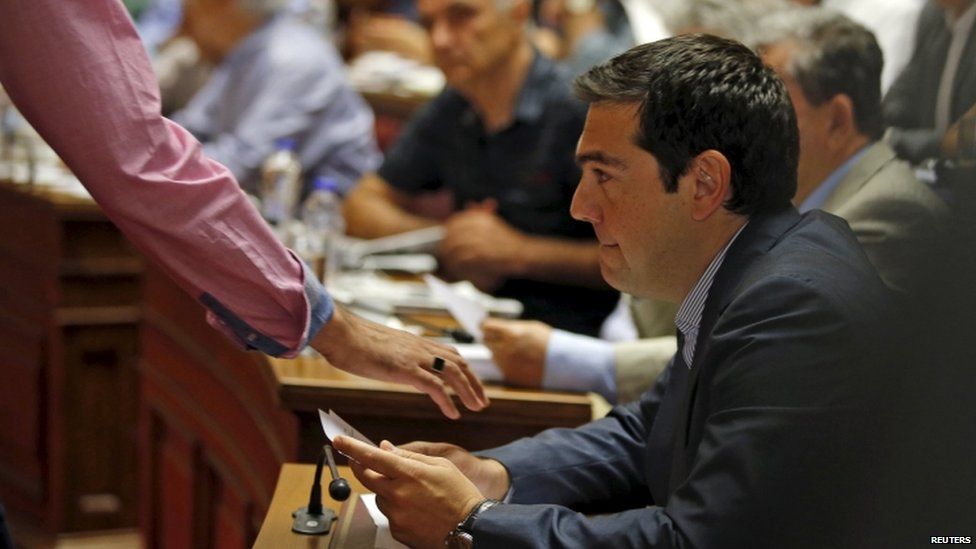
(312, 525)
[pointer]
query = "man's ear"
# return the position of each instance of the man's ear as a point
(711, 178)
(841, 123)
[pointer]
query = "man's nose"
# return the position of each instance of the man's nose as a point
(440, 35)
(584, 208)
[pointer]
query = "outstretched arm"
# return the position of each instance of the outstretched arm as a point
(79, 73)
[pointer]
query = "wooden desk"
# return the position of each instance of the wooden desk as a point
(398, 106)
(401, 414)
(290, 493)
(70, 291)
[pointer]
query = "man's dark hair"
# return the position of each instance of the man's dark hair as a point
(833, 56)
(700, 92)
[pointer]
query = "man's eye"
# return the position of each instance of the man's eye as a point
(601, 176)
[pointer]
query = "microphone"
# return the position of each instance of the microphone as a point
(339, 489)
(313, 519)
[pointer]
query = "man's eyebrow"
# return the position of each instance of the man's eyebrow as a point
(599, 157)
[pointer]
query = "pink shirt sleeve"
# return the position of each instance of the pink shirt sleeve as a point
(78, 72)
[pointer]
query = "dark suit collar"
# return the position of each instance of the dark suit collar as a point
(761, 234)
(756, 239)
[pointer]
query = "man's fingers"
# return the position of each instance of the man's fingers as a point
(465, 384)
(423, 447)
(478, 387)
(459, 376)
(431, 384)
(407, 454)
(384, 462)
(373, 481)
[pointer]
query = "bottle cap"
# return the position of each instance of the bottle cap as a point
(325, 183)
(285, 143)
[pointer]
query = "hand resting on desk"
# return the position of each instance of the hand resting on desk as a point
(518, 347)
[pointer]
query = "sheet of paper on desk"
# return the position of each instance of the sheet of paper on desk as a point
(467, 312)
(479, 359)
(384, 539)
(333, 425)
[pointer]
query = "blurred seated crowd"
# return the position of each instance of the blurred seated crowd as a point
(884, 93)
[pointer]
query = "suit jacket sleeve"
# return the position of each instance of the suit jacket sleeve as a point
(637, 364)
(774, 436)
(597, 464)
(896, 232)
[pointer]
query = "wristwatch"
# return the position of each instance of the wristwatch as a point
(461, 537)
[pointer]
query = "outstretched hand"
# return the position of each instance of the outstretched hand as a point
(371, 350)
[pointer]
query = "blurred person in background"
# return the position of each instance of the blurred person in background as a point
(582, 33)
(832, 66)
(274, 77)
(498, 144)
(939, 83)
(893, 23)
(382, 25)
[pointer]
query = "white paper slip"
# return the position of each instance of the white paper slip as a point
(467, 312)
(479, 359)
(384, 539)
(333, 425)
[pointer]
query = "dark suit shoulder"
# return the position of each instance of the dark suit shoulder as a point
(806, 319)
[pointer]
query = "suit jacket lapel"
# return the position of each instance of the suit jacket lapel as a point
(756, 239)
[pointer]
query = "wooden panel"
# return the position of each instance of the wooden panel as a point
(176, 484)
(69, 293)
(99, 406)
(222, 401)
(21, 473)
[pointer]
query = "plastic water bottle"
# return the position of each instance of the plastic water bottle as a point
(281, 178)
(324, 226)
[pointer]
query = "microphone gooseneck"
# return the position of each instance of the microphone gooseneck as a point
(313, 519)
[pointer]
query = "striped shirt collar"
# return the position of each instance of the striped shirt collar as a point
(690, 312)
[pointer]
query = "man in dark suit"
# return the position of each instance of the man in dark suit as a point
(760, 431)
(939, 83)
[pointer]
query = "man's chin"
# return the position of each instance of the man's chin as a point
(613, 278)
(456, 76)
